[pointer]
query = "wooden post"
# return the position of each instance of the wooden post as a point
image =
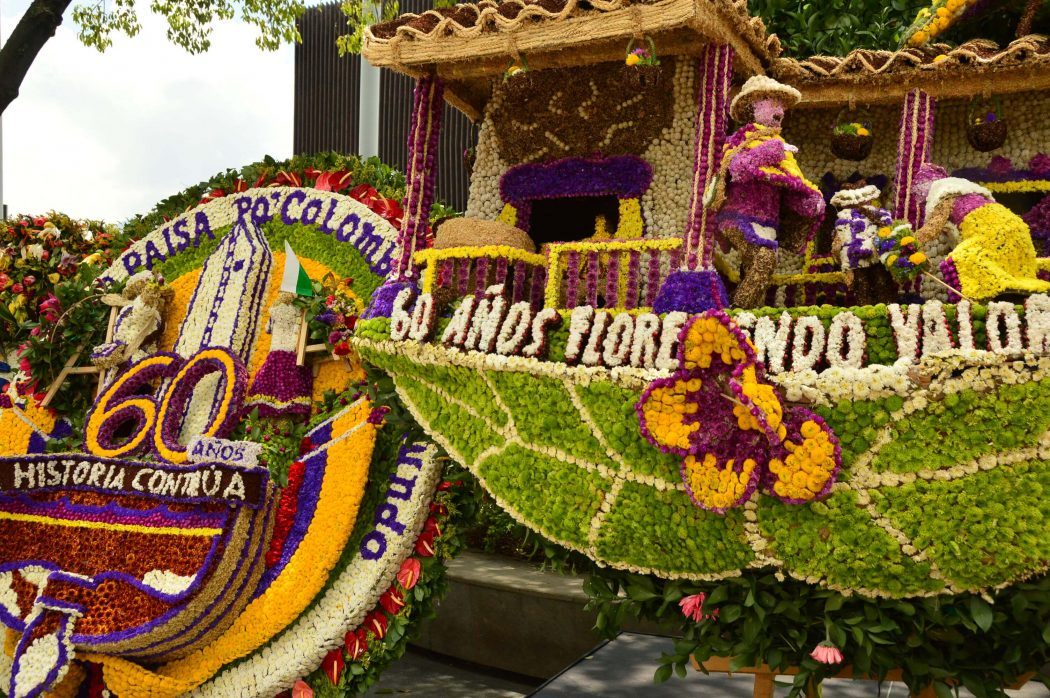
(300, 347)
(765, 676)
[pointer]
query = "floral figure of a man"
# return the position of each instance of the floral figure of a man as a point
(761, 197)
(730, 426)
(856, 244)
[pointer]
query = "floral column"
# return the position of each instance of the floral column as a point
(420, 172)
(696, 286)
(913, 150)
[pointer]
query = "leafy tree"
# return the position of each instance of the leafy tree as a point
(836, 27)
(189, 26)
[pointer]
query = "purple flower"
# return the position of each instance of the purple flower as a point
(1000, 165)
(1040, 164)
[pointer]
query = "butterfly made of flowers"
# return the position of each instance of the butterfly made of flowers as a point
(731, 426)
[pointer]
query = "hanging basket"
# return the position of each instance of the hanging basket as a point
(986, 128)
(641, 69)
(517, 80)
(851, 138)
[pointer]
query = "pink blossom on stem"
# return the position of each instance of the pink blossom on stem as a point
(693, 607)
(827, 653)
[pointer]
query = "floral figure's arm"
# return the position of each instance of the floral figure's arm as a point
(935, 224)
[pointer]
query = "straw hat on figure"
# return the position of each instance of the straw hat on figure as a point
(760, 195)
(856, 233)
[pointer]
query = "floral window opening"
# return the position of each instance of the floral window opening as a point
(577, 198)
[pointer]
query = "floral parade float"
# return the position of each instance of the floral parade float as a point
(230, 515)
(871, 425)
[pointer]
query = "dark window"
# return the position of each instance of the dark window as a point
(1020, 202)
(572, 218)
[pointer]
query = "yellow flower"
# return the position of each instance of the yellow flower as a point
(907, 240)
(891, 260)
(54, 278)
(942, 11)
(918, 38)
(863, 131)
(885, 232)
(917, 258)
(940, 58)
(954, 5)
(633, 59)
(93, 258)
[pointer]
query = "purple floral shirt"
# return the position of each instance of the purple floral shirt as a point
(856, 234)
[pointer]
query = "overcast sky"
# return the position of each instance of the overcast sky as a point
(108, 135)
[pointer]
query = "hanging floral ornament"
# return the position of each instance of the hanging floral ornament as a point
(852, 137)
(517, 80)
(986, 129)
(641, 65)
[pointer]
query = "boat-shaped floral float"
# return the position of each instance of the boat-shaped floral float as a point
(656, 341)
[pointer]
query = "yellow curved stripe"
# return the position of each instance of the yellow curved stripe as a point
(106, 526)
(301, 581)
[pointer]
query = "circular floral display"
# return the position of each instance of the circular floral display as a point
(226, 524)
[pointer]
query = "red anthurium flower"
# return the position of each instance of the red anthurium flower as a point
(287, 179)
(240, 185)
(332, 181)
(432, 527)
(438, 509)
(305, 445)
(333, 664)
(408, 575)
(301, 689)
(425, 545)
(376, 622)
(365, 193)
(212, 195)
(356, 643)
(392, 601)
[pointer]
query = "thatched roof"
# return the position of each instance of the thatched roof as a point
(866, 76)
(472, 43)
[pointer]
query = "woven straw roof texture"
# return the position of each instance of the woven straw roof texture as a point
(473, 19)
(979, 54)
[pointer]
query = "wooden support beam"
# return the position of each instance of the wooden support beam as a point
(71, 363)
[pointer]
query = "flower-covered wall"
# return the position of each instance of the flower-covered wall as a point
(655, 123)
(810, 130)
(1028, 134)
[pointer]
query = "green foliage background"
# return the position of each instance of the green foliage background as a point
(836, 27)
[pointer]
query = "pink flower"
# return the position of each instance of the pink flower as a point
(693, 606)
(827, 653)
(301, 689)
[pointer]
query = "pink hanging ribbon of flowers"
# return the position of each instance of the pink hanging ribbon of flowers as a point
(731, 427)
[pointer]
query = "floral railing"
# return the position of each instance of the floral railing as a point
(615, 274)
(470, 270)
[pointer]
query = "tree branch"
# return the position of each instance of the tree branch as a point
(37, 25)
